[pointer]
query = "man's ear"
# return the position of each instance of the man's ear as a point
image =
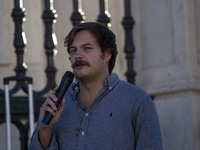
(108, 55)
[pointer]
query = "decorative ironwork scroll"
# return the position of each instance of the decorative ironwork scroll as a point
(18, 104)
(129, 48)
(77, 15)
(18, 15)
(23, 132)
(104, 15)
(49, 16)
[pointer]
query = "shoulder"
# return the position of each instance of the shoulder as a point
(131, 89)
(124, 86)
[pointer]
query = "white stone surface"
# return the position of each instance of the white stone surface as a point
(176, 116)
(166, 46)
(167, 62)
(5, 35)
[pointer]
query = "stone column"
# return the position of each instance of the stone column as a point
(168, 66)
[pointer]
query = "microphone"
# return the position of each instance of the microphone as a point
(67, 79)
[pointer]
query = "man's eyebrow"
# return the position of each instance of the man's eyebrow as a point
(72, 47)
(86, 44)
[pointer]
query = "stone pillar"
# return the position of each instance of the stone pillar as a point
(168, 66)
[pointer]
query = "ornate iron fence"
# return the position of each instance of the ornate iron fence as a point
(19, 103)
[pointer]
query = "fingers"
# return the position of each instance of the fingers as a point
(58, 112)
(49, 106)
(51, 99)
(55, 89)
(62, 106)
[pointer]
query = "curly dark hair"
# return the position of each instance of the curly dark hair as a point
(104, 36)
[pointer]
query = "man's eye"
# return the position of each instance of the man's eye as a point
(87, 48)
(72, 51)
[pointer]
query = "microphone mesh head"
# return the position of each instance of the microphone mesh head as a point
(69, 74)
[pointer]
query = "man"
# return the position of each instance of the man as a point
(99, 111)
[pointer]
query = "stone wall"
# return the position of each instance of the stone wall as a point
(167, 62)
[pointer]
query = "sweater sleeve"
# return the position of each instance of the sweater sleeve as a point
(146, 125)
(35, 143)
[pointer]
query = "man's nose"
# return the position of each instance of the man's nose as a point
(78, 54)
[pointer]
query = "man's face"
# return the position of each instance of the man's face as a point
(86, 56)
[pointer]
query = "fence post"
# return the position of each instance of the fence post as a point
(129, 48)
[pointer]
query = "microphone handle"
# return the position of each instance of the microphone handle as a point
(66, 81)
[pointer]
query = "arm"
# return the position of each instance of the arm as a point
(35, 143)
(146, 125)
(44, 132)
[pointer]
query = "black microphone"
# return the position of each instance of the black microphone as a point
(67, 79)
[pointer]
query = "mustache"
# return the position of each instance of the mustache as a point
(79, 63)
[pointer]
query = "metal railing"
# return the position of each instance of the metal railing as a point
(18, 104)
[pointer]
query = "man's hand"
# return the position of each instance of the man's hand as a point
(45, 131)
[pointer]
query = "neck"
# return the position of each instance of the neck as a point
(89, 90)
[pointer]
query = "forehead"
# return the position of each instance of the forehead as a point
(83, 37)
